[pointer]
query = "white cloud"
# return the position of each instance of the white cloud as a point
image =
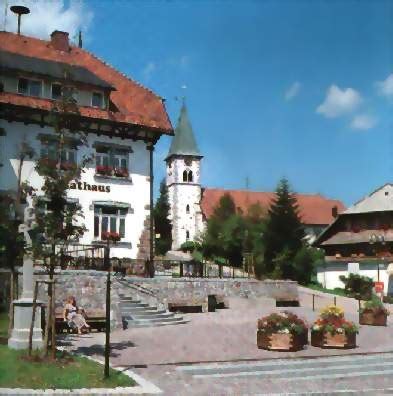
(363, 122)
(148, 70)
(339, 102)
(385, 88)
(292, 91)
(49, 15)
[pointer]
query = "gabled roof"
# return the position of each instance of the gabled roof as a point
(184, 143)
(314, 209)
(12, 61)
(136, 105)
(380, 200)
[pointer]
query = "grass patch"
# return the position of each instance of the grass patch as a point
(337, 291)
(4, 324)
(67, 372)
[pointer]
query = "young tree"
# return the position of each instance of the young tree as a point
(57, 219)
(12, 244)
(284, 233)
(162, 223)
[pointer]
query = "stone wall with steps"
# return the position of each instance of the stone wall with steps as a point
(163, 292)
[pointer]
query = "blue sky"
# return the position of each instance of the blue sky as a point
(274, 88)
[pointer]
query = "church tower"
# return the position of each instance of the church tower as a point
(183, 164)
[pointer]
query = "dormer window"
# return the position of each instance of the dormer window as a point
(56, 91)
(30, 87)
(97, 100)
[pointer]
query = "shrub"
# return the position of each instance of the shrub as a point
(358, 286)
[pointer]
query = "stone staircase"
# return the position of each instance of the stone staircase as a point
(136, 313)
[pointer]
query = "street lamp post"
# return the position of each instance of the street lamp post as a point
(374, 239)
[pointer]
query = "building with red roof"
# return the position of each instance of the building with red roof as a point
(122, 120)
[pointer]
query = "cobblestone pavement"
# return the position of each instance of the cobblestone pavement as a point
(229, 337)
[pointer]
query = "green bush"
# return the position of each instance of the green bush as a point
(358, 286)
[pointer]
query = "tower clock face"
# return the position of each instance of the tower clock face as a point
(188, 161)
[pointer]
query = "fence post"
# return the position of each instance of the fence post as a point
(335, 300)
(313, 302)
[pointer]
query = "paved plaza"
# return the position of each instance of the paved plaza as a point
(216, 353)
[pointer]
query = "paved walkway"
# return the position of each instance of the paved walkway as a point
(224, 336)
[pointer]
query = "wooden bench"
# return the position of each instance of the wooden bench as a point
(95, 318)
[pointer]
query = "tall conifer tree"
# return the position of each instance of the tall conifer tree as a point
(162, 223)
(284, 233)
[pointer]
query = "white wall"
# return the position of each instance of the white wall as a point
(135, 192)
(329, 276)
(181, 194)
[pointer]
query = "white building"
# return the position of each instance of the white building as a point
(122, 120)
(360, 241)
(183, 165)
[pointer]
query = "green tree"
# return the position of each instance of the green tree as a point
(58, 221)
(284, 233)
(305, 263)
(162, 223)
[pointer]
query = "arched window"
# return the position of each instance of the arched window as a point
(185, 176)
(190, 177)
(187, 208)
(187, 235)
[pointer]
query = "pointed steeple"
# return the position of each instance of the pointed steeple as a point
(184, 143)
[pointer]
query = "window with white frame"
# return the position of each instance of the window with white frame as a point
(97, 99)
(30, 87)
(49, 151)
(111, 161)
(109, 219)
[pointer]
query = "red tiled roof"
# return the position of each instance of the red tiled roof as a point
(136, 104)
(314, 209)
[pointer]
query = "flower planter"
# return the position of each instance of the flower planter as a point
(371, 318)
(327, 340)
(280, 341)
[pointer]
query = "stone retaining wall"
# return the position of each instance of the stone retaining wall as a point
(87, 286)
(195, 291)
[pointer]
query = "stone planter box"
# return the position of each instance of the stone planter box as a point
(327, 340)
(373, 319)
(280, 342)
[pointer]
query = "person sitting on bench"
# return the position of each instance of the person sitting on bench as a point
(73, 316)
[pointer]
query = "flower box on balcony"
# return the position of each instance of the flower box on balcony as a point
(121, 172)
(281, 332)
(104, 170)
(111, 236)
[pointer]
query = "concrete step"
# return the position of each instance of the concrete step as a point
(136, 324)
(155, 319)
(149, 315)
(133, 305)
(298, 369)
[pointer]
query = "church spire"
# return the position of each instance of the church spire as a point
(184, 143)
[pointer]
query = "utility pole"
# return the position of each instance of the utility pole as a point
(107, 308)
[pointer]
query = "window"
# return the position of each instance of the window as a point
(110, 161)
(188, 208)
(187, 235)
(49, 151)
(97, 99)
(190, 177)
(56, 91)
(109, 219)
(29, 87)
(187, 176)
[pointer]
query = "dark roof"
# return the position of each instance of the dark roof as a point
(58, 70)
(184, 142)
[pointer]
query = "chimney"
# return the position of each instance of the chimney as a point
(334, 211)
(59, 41)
